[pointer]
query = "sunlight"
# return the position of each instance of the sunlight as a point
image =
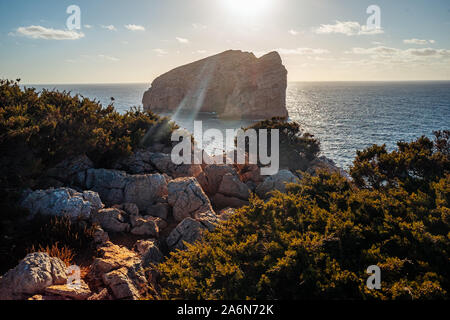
(247, 8)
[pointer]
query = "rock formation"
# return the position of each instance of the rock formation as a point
(234, 84)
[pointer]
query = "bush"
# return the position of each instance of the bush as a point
(297, 147)
(317, 240)
(39, 130)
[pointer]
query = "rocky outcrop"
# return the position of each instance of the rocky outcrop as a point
(111, 220)
(223, 185)
(62, 202)
(117, 187)
(189, 230)
(234, 84)
(276, 182)
(32, 275)
(187, 198)
(81, 292)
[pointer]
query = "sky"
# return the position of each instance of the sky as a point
(137, 40)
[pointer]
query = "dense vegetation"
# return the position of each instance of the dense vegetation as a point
(38, 130)
(297, 147)
(317, 240)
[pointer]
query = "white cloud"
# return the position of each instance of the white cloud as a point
(293, 32)
(182, 40)
(301, 51)
(160, 52)
(134, 27)
(110, 28)
(39, 32)
(418, 41)
(109, 58)
(349, 28)
(402, 55)
(199, 26)
(88, 26)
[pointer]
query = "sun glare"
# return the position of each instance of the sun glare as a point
(247, 8)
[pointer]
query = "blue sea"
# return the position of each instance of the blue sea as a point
(345, 116)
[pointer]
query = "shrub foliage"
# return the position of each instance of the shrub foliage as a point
(317, 240)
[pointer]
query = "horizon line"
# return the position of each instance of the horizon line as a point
(293, 81)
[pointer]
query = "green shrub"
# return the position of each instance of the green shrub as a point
(297, 147)
(39, 130)
(317, 240)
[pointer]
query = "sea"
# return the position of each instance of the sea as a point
(344, 116)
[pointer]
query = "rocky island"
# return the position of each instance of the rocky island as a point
(234, 84)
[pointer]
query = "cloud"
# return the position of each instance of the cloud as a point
(199, 26)
(88, 26)
(349, 28)
(293, 32)
(109, 58)
(182, 40)
(110, 28)
(301, 51)
(404, 55)
(160, 52)
(418, 41)
(39, 32)
(134, 27)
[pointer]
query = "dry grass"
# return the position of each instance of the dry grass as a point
(64, 253)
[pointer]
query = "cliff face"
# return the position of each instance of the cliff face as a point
(234, 84)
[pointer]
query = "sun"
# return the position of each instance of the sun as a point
(247, 8)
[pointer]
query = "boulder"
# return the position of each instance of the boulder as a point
(71, 171)
(160, 210)
(111, 220)
(234, 84)
(276, 182)
(62, 202)
(224, 186)
(32, 275)
(145, 226)
(187, 198)
(73, 292)
(145, 190)
(112, 257)
(150, 252)
(125, 283)
(189, 230)
(116, 187)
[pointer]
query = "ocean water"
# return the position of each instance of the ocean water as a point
(345, 116)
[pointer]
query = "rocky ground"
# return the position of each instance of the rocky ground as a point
(143, 209)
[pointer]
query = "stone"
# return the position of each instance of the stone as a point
(234, 84)
(117, 187)
(130, 208)
(123, 283)
(62, 202)
(150, 252)
(189, 230)
(145, 226)
(32, 275)
(276, 182)
(164, 164)
(187, 198)
(77, 293)
(100, 236)
(220, 201)
(102, 295)
(111, 220)
(112, 257)
(145, 190)
(232, 187)
(72, 170)
(160, 210)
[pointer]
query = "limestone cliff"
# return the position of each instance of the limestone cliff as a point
(234, 84)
